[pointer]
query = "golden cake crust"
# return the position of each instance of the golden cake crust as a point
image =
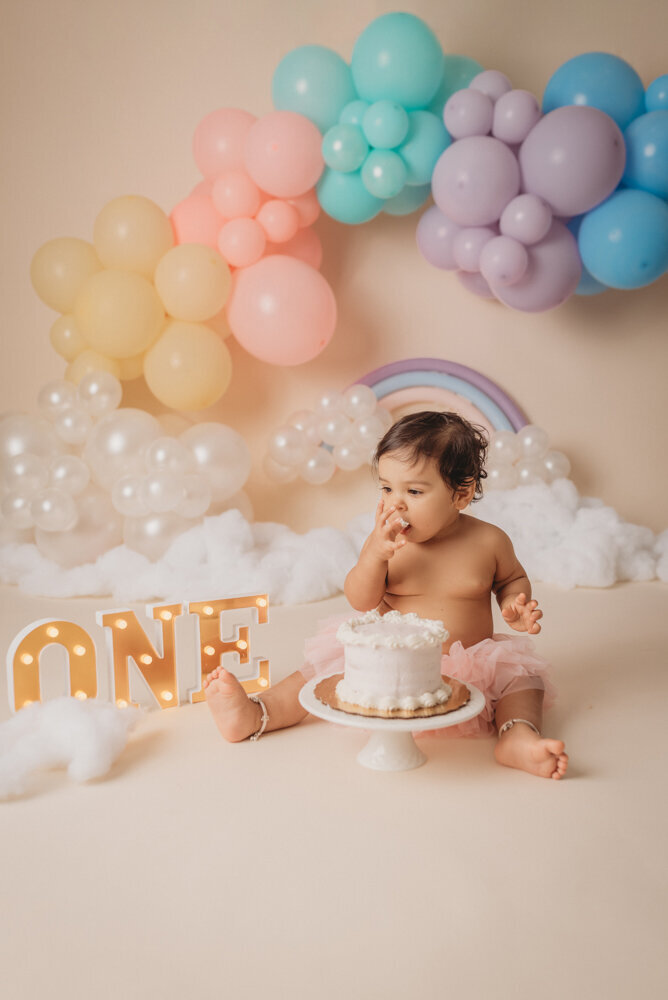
(325, 692)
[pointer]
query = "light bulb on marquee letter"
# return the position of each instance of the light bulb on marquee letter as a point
(23, 660)
(127, 640)
(212, 645)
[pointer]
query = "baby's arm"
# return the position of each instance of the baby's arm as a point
(366, 583)
(513, 590)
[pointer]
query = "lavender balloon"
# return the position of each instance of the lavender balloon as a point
(551, 277)
(573, 158)
(491, 82)
(468, 246)
(515, 114)
(468, 112)
(474, 282)
(474, 180)
(503, 261)
(526, 218)
(435, 238)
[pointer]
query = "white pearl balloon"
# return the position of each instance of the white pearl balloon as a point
(347, 457)
(98, 529)
(307, 422)
(533, 441)
(128, 496)
(26, 473)
(501, 477)
(504, 448)
(99, 393)
(116, 445)
(69, 473)
(54, 397)
(54, 510)
(335, 428)
(196, 496)
(384, 416)
(530, 471)
(318, 467)
(221, 454)
(278, 473)
(168, 454)
(163, 491)
(73, 425)
(288, 446)
(556, 465)
(330, 402)
(16, 509)
(20, 433)
(367, 432)
(152, 535)
(359, 401)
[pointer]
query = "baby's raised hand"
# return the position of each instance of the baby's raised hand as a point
(522, 615)
(386, 536)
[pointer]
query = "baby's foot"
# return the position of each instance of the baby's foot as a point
(522, 748)
(236, 716)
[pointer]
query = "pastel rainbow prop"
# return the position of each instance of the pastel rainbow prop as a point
(450, 385)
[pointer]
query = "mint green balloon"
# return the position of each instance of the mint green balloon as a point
(344, 147)
(411, 198)
(383, 173)
(385, 124)
(397, 58)
(344, 197)
(353, 113)
(314, 81)
(458, 71)
(427, 138)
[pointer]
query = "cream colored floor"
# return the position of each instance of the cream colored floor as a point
(206, 870)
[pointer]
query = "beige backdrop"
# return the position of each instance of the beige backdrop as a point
(100, 99)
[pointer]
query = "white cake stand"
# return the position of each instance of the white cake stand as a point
(391, 746)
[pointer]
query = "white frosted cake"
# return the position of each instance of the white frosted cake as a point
(392, 662)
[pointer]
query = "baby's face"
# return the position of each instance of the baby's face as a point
(419, 496)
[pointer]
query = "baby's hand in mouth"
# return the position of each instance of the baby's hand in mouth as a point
(404, 524)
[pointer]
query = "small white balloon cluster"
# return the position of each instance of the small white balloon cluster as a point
(128, 480)
(341, 432)
(523, 459)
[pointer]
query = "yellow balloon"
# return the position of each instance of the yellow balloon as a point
(59, 270)
(119, 313)
(193, 282)
(131, 368)
(90, 361)
(189, 367)
(66, 337)
(132, 233)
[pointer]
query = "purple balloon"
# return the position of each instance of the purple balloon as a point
(474, 282)
(435, 238)
(515, 114)
(552, 276)
(474, 179)
(526, 218)
(468, 245)
(573, 158)
(468, 112)
(503, 261)
(491, 82)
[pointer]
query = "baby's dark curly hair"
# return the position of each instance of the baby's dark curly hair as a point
(458, 447)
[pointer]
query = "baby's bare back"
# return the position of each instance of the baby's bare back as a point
(451, 580)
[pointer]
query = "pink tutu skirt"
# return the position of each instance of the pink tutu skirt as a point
(498, 666)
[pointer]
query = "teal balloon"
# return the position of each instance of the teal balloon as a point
(656, 95)
(353, 113)
(345, 198)
(600, 80)
(397, 58)
(383, 173)
(458, 71)
(408, 200)
(344, 147)
(623, 242)
(314, 81)
(385, 124)
(427, 138)
(646, 141)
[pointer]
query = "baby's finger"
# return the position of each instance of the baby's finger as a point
(521, 599)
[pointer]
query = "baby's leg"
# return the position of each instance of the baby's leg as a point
(520, 746)
(238, 718)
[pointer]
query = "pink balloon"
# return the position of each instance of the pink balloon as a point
(552, 275)
(195, 220)
(436, 235)
(282, 311)
(283, 155)
(474, 179)
(307, 206)
(218, 143)
(241, 242)
(304, 246)
(205, 187)
(573, 158)
(279, 220)
(503, 261)
(235, 195)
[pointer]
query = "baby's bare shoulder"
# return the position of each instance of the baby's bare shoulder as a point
(485, 532)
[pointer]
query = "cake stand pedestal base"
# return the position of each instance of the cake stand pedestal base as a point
(391, 752)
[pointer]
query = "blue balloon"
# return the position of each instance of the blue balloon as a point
(427, 138)
(601, 81)
(383, 173)
(314, 81)
(344, 197)
(656, 95)
(623, 242)
(588, 285)
(344, 147)
(385, 124)
(398, 58)
(646, 141)
(411, 198)
(458, 71)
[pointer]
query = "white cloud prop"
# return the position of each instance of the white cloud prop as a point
(86, 737)
(560, 537)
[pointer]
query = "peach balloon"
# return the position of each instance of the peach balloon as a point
(305, 245)
(132, 233)
(189, 367)
(193, 282)
(242, 242)
(282, 311)
(282, 154)
(59, 270)
(218, 143)
(66, 337)
(91, 361)
(279, 220)
(131, 368)
(307, 206)
(195, 220)
(235, 195)
(119, 313)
